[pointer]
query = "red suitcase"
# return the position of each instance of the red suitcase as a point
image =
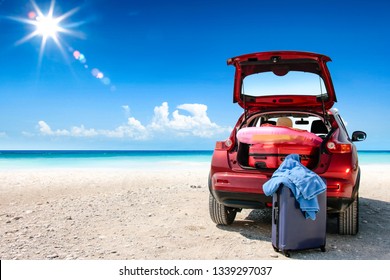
(272, 155)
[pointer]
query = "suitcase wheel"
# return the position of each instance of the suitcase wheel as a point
(323, 249)
(286, 254)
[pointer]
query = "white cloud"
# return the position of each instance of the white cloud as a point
(45, 129)
(81, 131)
(3, 134)
(126, 108)
(195, 123)
(133, 129)
(160, 117)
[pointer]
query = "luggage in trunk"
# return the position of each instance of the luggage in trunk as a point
(290, 228)
(272, 155)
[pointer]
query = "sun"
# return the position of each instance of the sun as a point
(47, 26)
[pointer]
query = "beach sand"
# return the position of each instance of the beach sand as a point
(159, 215)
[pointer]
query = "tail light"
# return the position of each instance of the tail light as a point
(341, 148)
(336, 146)
(226, 145)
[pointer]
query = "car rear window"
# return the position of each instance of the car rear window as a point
(293, 83)
(298, 122)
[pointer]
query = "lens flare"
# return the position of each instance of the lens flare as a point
(76, 54)
(32, 15)
(106, 81)
(95, 72)
(82, 59)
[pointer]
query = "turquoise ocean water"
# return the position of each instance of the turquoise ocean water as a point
(131, 159)
(95, 159)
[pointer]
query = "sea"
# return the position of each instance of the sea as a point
(104, 159)
(130, 159)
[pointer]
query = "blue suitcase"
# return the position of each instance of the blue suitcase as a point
(290, 228)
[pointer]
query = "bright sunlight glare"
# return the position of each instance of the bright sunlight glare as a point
(46, 26)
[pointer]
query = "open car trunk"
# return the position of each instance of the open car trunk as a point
(265, 147)
(270, 156)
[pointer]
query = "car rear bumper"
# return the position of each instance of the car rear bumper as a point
(239, 190)
(242, 200)
(245, 190)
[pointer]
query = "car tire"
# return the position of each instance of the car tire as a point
(221, 214)
(348, 220)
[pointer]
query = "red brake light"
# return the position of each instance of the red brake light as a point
(341, 148)
(219, 145)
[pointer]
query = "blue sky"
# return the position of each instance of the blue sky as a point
(153, 74)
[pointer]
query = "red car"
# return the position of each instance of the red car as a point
(287, 97)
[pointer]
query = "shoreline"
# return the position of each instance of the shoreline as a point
(144, 165)
(133, 159)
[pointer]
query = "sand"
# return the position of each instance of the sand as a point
(159, 215)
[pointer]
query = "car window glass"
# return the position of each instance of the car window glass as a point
(342, 124)
(293, 83)
(295, 122)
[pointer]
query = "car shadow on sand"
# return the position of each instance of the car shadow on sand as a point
(255, 226)
(370, 243)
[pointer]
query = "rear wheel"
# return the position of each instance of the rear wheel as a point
(348, 220)
(221, 214)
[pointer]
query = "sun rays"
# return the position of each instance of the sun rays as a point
(47, 26)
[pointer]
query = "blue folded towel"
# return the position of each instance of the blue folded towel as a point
(304, 184)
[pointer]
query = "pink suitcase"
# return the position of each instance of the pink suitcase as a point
(264, 156)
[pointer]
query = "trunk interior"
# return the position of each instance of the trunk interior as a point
(268, 155)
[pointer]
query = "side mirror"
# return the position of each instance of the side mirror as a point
(359, 136)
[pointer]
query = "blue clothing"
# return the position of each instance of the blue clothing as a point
(304, 184)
